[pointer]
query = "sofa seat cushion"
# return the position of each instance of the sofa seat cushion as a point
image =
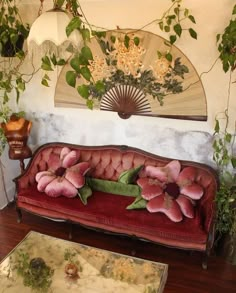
(109, 211)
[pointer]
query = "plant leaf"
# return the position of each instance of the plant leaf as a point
(172, 39)
(191, 17)
(89, 104)
(234, 10)
(71, 78)
(100, 87)
(75, 23)
(178, 29)
(87, 53)
(217, 127)
(169, 57)
(233, 162)
(192, 33)
(61, 62)
(75, 64)
(44, 82)
(166, 28)
(83, 90)
(85, 34)
(46, 64)
(85, 72)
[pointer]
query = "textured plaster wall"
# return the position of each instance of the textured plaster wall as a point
(186, 140)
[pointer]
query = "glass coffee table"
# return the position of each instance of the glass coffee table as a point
(42, 263)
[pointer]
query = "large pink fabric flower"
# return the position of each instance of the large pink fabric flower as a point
(170, 190)
(64, 176)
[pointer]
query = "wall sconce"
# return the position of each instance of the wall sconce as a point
(48, 32)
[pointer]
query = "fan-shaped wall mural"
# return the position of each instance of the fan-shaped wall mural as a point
(181, 94)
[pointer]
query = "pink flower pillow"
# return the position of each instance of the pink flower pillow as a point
(170, 191)
(64, 176)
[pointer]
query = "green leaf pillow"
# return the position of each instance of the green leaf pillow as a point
(113, 187)
(129, 176)
(138, 203)
(84, 193)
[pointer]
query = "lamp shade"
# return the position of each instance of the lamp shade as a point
(49, 31)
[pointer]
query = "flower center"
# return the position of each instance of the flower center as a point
(172, 189)
(60, 171)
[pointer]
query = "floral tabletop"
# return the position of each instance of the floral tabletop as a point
(42, 263)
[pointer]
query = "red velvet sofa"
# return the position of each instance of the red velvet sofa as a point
(109, 212)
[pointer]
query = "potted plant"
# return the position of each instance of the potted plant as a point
(13, 31)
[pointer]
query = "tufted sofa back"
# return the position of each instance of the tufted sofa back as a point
(106, 162)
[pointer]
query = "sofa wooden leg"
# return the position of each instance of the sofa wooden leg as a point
(205, 260)
(70, 231)
(19, 215)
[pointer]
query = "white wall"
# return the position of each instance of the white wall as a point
(187, 140)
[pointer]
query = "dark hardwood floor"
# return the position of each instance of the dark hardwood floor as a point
(185, 274)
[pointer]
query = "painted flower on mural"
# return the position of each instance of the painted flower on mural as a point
(65, 175)
(170, 191)
(128, 58)
(99, 68)
(161, 68)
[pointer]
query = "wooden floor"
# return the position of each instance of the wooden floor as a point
(185, 274)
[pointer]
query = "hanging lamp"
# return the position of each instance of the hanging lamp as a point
(48, 32)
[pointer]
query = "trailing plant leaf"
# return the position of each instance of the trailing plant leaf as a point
(85, 34)
(85, 72)
(46, 64)
(174, 20)
(192, 33)
(71, 78)
(178, 29)
(173, 39)
(90, 104)
(74, 24)
(227, 44)
(83, 90)
(87, 53)
(191, 17)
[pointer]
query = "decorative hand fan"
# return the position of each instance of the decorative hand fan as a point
(126, 101)
(141, 83)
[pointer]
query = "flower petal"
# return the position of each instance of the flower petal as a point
(65, 151)
(75, 174)
(150, 191)
(75, 178)
(186, 206)
(148, 181)
(165, 204)
(82, 168)
(187, 176)
(39, 175)
(194, 191)
(60, 186)
(173, 170)
(44, 181)
(159, 173)
(54, 161)
(70, 159)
